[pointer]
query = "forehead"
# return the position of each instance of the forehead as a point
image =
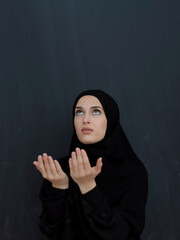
(88, 101)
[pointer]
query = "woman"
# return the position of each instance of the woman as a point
(98, 191)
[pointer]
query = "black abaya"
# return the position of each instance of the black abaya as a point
(115, 208)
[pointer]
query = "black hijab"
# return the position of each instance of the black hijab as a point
(123, 177)
(115, 147)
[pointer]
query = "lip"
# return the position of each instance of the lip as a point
(87, 130)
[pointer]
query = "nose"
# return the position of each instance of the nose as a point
(86, 119)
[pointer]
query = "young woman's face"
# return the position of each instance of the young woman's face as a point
(90, 121)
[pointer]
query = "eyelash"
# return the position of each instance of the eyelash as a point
(94, 110)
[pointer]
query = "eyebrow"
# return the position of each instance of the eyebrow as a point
(79, 107)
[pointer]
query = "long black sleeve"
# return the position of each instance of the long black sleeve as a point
(106, 222)
(53, 207)
(111, 211)
(122, 219)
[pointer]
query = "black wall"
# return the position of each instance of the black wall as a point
(52, 50)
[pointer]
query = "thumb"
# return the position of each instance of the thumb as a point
(99, 165)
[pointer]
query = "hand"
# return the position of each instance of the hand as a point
(52, 171)
(82, 172)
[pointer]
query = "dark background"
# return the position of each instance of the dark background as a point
(52, 50)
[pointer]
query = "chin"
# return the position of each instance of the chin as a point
(88, 141)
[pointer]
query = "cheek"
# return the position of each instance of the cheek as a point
(103, 126)
(76, 124)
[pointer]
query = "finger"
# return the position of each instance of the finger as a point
(36, 164)
(70, 164)
(58, 167)
(80, 164)
(41, 166)
(99, 165)
(46, 165)
(85, 159)
(74, 161)
(40, 161)
(52, 166)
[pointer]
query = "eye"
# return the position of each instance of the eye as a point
(96, 112)
(79, 112)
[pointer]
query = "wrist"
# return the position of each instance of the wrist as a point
(66, 186)
(84, 188)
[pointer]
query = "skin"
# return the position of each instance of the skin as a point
(89, 113)
(80, 169)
